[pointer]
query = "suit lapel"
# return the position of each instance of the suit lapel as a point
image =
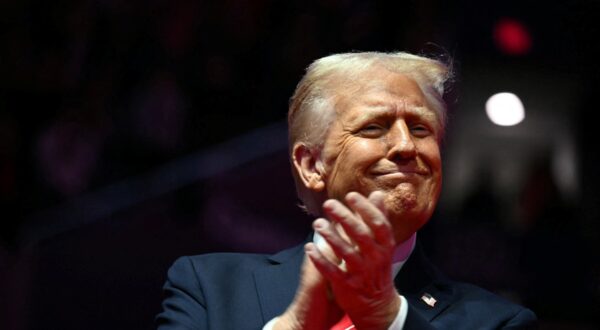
(430, 310)
(276, 283)
(419, 278)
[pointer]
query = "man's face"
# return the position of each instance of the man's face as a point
(385, 137)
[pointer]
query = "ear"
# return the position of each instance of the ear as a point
(309, 167)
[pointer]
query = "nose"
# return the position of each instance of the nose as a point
(400, 142)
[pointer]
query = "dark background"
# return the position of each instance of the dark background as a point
(134, 132)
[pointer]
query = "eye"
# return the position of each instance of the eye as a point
(372, 130)
(420, 130)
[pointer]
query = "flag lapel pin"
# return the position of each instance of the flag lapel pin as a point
(428, 299)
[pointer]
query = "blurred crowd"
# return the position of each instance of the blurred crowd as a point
(95, 91)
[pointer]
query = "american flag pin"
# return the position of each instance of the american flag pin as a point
(428, 299)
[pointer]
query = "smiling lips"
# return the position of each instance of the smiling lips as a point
(399, 173)
(400, 170)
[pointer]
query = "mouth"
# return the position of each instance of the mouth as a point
(400, 172)
(396, 176)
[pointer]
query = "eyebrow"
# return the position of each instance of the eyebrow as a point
(378, 109)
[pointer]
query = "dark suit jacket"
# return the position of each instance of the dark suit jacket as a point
(244, 291)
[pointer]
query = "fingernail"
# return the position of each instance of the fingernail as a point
(308, 248)
(351, 197)
(319, 224)
(328, 204)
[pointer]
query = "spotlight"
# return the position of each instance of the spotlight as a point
(505, 109)
(512, 37)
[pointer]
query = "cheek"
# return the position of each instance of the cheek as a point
(430, 153)
(349, 167)
(359, 155)
(366, 148)
(436, 184)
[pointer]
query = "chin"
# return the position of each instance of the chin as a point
(401, 199)
(406, 211)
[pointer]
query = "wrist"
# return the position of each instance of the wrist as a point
(380, 316)
(286, 322)
(298, 315)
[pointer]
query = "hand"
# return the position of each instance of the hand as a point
(313, 306)
(363, 287)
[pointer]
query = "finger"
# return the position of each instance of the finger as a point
(342, 249)
(378, 199)
(372, 216)
(330, 271)
(353, 226)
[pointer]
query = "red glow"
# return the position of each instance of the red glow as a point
(512, 37)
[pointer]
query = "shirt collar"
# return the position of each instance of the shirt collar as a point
(402, 252)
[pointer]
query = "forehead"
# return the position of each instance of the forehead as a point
(379, 89)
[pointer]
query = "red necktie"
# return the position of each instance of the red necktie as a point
(344, 324)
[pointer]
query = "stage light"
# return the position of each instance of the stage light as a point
(505, 109)
(512, 37)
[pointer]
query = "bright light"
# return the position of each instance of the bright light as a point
(512, 37)
(505, 109)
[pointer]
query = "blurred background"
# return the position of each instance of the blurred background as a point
(134, 132)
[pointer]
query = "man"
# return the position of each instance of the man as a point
(364, 133)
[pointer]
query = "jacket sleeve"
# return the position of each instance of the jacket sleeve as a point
(524, 319)
(184, 305)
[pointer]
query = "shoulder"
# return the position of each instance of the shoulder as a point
(228, 290)
(226, 265)
(488, 307)
(218, 265)
(470, 292)
(224, 260)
